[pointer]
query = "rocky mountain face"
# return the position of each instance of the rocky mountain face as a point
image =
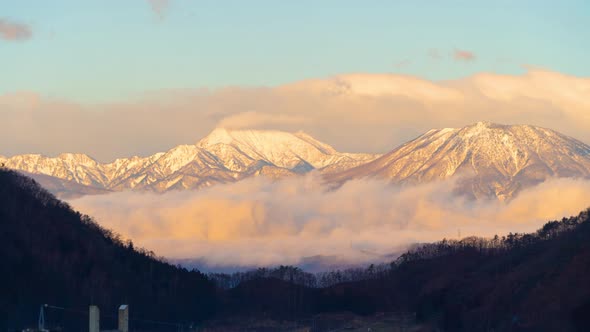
(223, 156)
(492, 160)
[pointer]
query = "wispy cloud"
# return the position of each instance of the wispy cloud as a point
(159, 7)
(248, 120)
(13, 31)
(463, 55)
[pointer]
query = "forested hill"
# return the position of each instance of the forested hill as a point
(519, 282)
(55, 255)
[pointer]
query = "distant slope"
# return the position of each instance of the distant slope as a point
(65, 188)
(52, 254)
(518, 282)
(494, 160)
(221, 157)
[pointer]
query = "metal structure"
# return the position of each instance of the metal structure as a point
(41, 322)
(124, 318)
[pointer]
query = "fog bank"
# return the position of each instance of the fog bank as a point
(257, 222)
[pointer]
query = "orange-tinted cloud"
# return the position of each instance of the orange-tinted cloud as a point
(21, 100)
(354, 113)
(463, 55)
(13, 31)
(249, 120)
(260, 222)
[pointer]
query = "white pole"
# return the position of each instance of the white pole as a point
(94, 319)
(124, 318)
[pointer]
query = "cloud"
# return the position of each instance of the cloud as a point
(259, 222)
(565, 92)
(253, 119)
(159, 7)
(13, 31)
(463, 55)
(377, 85)
(355, 113)
(20, 100)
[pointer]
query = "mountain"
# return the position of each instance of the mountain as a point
(222, 156)
(489, 160)
(282, 149)
(492, 160)
(53, 254)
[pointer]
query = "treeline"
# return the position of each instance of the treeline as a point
(484, 246)
(495, 245)
(519, 282)
(296, 275)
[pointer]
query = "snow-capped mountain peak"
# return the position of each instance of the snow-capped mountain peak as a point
(222, 156)
(283, 149)
(217, 136)
(495, 160)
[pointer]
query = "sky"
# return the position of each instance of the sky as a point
(119, 78)
(105, 51)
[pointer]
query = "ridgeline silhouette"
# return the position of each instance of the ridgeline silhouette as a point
(53, 254)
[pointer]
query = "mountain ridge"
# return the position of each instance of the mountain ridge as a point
(222, 156)
(492, 159)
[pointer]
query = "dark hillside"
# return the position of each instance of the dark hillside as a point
(520, 282)
(52, 254)
(530, 282)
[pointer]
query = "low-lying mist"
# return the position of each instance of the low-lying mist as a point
(258, 222)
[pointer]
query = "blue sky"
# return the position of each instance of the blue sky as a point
(109, 50)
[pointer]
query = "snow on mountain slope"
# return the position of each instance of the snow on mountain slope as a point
(120, 168)
(494, 160)
(78, 168)
(282, 149)
(223, 156)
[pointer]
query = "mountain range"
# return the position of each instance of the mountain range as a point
(487, 159)
(221, 157)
